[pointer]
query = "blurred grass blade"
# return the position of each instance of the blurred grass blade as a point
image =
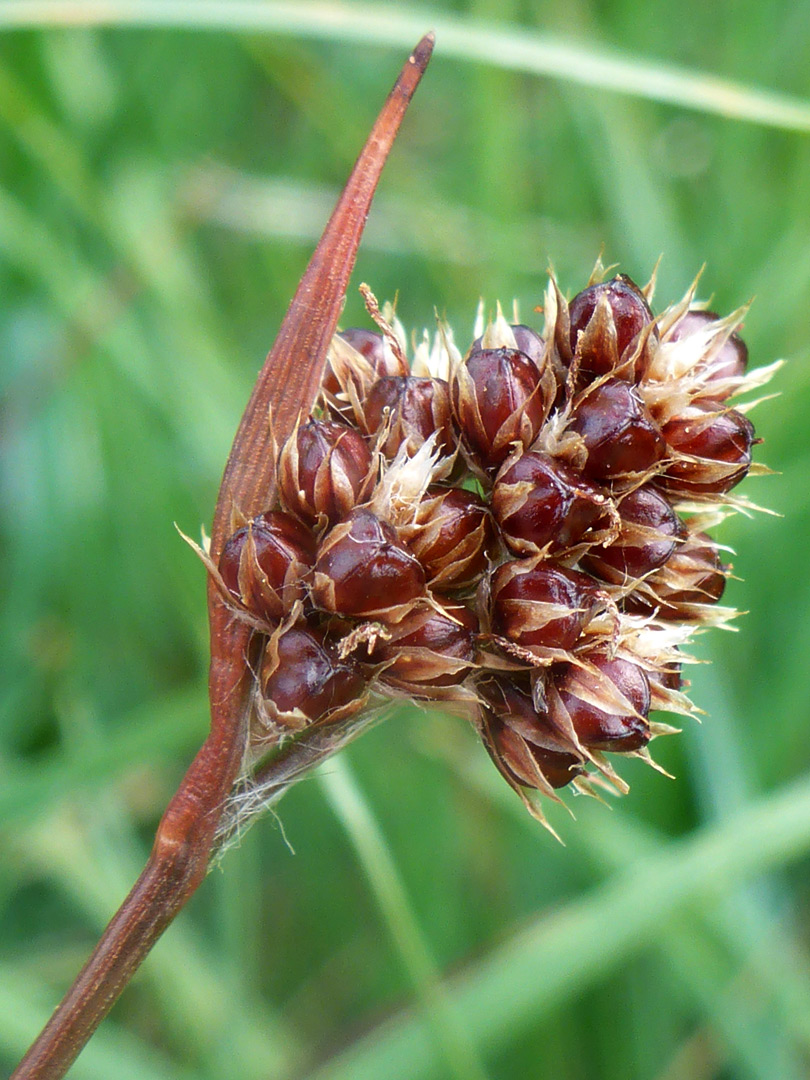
(164, 728)
(553, 959)
(765, 952)
(356, 817)
(25, 1003)
(184, 975)
(516, 49)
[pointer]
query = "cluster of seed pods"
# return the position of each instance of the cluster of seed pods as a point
(518, 533)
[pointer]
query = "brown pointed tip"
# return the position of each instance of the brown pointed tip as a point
(413, 71)
(289, 381)
(421, 54)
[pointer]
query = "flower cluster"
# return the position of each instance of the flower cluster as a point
(519, 533)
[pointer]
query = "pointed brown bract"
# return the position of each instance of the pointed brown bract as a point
(287, 387)
(291, 377)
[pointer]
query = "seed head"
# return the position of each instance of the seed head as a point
(451, 535)
(711, 448)
(536, 604)
(517, 534)
(303, 680)
(542, 504)
(523, 742)
(648, 532)
(428, 649)
(619, 436)
(612, 330)
(605, 701)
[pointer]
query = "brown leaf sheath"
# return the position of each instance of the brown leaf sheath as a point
(288, 383)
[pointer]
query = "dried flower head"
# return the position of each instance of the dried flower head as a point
(518, 533)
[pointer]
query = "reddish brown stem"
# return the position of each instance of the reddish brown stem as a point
(288, 384)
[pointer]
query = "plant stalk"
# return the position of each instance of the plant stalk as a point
(286, 388)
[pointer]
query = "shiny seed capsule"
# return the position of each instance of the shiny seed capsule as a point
(430, 647)
(325, 469)
(693, 575)
(451, 536)
(648, 533)
(712, 451)
(606, 703)
(263, 564)
(413, 409)
(606, 321)
(497, 402)
(539, 604)
(620, 436)
(363, 570)
(539, 501)
(303, 680)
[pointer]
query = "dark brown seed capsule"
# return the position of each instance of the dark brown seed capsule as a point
(356, 368)
(529, 342)
(429, 647)
(370, 344)
(606, 321)
(523, 738)
(263, 564)
(325, 470)
(522, 760)
(729, 361)
(716, 448)
(618, 432)
(451, 536)
(535, 603)
(303, 680)
(526, 339)
(694, 574)
(375, 351)
(363, 570)
(647, 537)
(619, 722)
(671, 678)
(538, 501)
(414, 408)
(497, 402)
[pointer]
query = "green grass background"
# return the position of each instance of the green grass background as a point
(162, 185)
